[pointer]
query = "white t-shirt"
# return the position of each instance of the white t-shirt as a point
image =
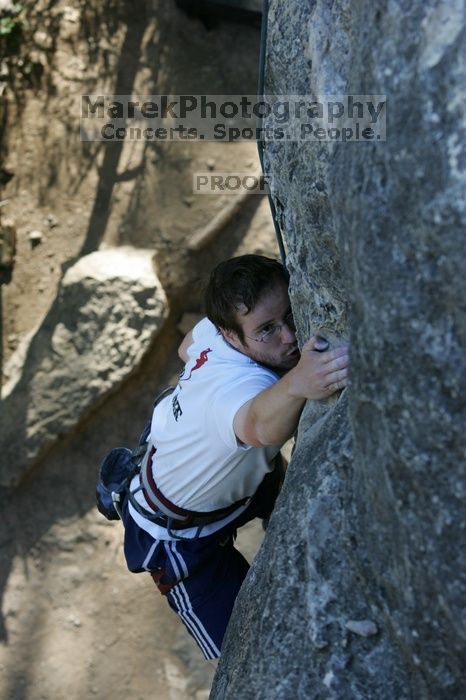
(199, 463)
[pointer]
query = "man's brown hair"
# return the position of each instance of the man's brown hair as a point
(237, 283)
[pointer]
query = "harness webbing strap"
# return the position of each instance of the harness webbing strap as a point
(159, 503)
(153, 495)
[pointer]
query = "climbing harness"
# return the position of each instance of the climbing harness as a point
(167, 513)
(114, 486)
(260, 142)
(116, 474)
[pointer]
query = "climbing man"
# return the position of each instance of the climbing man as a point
(211, 462)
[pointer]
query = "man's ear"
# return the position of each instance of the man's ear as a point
(231, 337)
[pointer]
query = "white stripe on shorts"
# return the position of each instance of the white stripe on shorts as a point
(184, 607)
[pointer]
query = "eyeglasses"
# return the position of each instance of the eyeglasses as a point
(271, 331)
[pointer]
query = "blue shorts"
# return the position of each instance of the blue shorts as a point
(201, 577)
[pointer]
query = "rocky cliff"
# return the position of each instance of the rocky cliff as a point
(358, 590)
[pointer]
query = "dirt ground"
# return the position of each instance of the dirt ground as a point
(74, 623)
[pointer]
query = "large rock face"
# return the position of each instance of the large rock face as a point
(109, 309)
(359, 588)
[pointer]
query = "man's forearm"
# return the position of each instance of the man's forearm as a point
(273, 414)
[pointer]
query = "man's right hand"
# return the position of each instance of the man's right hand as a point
(319, 372)
(272, 416)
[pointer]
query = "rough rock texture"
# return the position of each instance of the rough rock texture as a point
(109, 309)
(369, 528)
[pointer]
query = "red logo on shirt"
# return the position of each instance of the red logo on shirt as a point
(201, 360)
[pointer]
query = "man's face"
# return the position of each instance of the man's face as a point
(281, 352)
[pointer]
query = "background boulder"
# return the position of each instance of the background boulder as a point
(109, 309)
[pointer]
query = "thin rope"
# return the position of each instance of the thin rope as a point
(260, 142)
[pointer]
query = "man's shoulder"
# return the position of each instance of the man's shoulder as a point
(220, 357)
(204, 328)
(206, 335)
